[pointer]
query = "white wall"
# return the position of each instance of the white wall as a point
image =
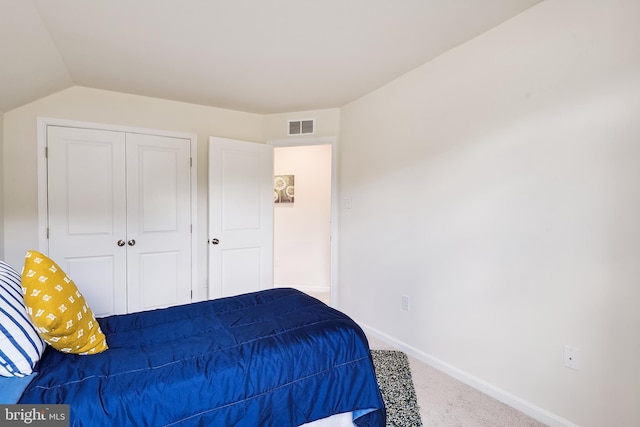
(91, 105)
(302, 230)
(498, 186)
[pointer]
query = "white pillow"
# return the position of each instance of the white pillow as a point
(20, 344)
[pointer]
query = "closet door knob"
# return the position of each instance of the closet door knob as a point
(215, 241)
(120, 242)
(131, 242)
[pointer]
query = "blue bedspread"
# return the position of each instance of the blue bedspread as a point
(272, 358)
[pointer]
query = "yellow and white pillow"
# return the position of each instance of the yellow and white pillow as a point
(57, 308)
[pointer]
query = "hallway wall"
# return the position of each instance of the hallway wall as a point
(302, 245)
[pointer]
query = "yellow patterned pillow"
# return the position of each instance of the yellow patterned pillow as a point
(57, 308)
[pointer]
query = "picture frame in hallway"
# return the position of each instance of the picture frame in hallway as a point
(283, 189)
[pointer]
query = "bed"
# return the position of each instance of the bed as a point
(271, 358)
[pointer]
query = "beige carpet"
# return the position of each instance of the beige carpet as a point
(447, 402)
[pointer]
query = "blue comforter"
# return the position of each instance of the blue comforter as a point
(271, 358)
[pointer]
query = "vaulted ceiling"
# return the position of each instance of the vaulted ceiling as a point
(262, 56)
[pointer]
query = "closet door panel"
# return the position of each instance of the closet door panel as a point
(158, 221)
(87, 208)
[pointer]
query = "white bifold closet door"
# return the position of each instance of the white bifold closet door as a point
(120, 216)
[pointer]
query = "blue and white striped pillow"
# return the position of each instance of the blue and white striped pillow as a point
(20, 344)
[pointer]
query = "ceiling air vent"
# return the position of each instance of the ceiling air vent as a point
(301, 127)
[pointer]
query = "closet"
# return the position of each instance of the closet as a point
(119, 215)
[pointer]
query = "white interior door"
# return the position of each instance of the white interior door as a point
(240, 217)
(87, 210)
(158, 221)
(119, 216)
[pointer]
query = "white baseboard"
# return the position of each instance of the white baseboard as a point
(528, 408)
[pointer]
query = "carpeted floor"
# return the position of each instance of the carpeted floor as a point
(396, 386)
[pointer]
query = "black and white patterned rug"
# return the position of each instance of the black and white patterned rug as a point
(396, 386)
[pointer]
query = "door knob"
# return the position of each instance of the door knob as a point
(120, 242)
(131, 242)
(215, 241)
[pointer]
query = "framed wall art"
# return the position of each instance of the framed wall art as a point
(283, 189)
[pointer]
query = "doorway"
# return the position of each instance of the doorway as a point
(304, 216)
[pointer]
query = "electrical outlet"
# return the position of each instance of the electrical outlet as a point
(405, 303)
(572, 357)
